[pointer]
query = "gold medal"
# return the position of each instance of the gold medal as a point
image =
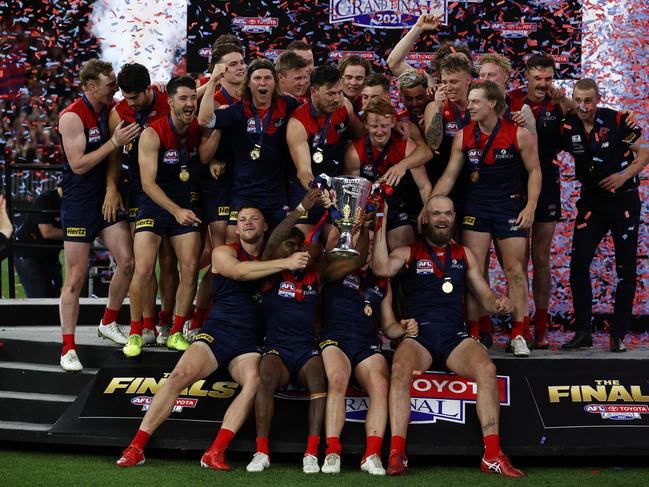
(447, 287)
(255, 153)
(318, 157)
(127, 148)
(367, 309)
(184, 175)
(475, 176)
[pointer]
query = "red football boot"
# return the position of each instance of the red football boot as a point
(500, 465)
(397, 463)
(215, 459)
(131, 457)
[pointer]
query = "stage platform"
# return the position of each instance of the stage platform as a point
(586, 402)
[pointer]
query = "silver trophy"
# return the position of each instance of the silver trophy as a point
(350, 198)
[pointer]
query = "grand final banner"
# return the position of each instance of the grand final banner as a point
(372, 27)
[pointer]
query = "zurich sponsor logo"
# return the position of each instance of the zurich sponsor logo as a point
(424, 267)
(286, 289)
(576, 138)
(170, 157)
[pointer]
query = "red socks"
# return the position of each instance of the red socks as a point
(373, 446)
(200, 314)
(223, 439)
(140, 440)
(517, 329)
(474, 329)
(541, 320)
(68, 343)
(398, 443)
(110, 315)
(136, 328)
(491, 446)
(484, 323)
(262, 445)
(179, 321)
(164, 318)
(333, 445)
(312, 445)
(148, 323)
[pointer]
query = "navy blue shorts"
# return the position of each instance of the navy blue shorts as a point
(294, 358)
(498, 220)
(272, 214)
(548, 208)
(216, 200)
(440, 339)
(356, 350)
(154, 219)
(225, 343)
(397, 215)
(83, 223)
(134, 202)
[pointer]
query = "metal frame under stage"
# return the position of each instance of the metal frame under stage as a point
(553, 403)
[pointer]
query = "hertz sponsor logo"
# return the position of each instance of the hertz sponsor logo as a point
(205, 336)
(234, 215)
(75, 232)
(145, 223)
(602, 391)
(151, 385)
(469, 220)
(224, 210)
(132, 212)
(326, 343)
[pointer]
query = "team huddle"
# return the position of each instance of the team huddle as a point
(230, 174)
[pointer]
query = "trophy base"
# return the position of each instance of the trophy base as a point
(344, 253)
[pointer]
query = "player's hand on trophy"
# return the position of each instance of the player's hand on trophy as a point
(310, 199)
(328, 198)
(503, 305)
(297, 261)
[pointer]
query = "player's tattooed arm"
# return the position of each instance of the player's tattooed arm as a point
(434, 131)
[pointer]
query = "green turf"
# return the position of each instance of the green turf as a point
(23, 467)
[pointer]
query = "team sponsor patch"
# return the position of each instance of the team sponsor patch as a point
(224, 210)
(75, 232)
(132, 212)
(170, 157)
(194, 196)
(425, 267)
(251, 126)
(474, 156)
(286, 289)
(234, 215)
(205, 336)
(503, 154)
(145, 223)
(469, 220)
(325, 343)
(352, 281)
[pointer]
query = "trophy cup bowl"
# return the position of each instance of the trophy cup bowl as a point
(350, 198)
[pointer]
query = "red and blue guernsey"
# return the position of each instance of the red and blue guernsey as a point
(258, 180)
(376, 162)
(344, 307)
(159, 108)
(177, 153)
(326, 134)
(494, 163)
(290, 303)
(236, 304)
(82, 189)
(434, 285)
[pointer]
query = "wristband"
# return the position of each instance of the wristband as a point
(300, 208)
(112, 140)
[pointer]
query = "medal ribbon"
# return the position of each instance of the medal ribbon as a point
(102, 121)
(323, 131)
(369, 154)
(227, 96)
(490, 141)
(447, 258)
(142, 117)
(460, 121)
(258, 124)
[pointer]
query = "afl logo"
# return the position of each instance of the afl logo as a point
(287, 289)
(94, 135)
(474, 156)
(205, 52)
(424, 267)
(170, 157)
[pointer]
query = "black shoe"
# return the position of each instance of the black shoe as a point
(617, 345)
(486, 339)
(582, 339)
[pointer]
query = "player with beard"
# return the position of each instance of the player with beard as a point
(290, 301)
(230, 338)
(317, 134)
(494, 151)
(304, 50)
(223, 85)
(437, 273)
(292, 75)
(256, 128)
(353, 71)
(444, 117)
(86, 146)
(168, 156)
(609, 157)
(372, 155)
(143, 103)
